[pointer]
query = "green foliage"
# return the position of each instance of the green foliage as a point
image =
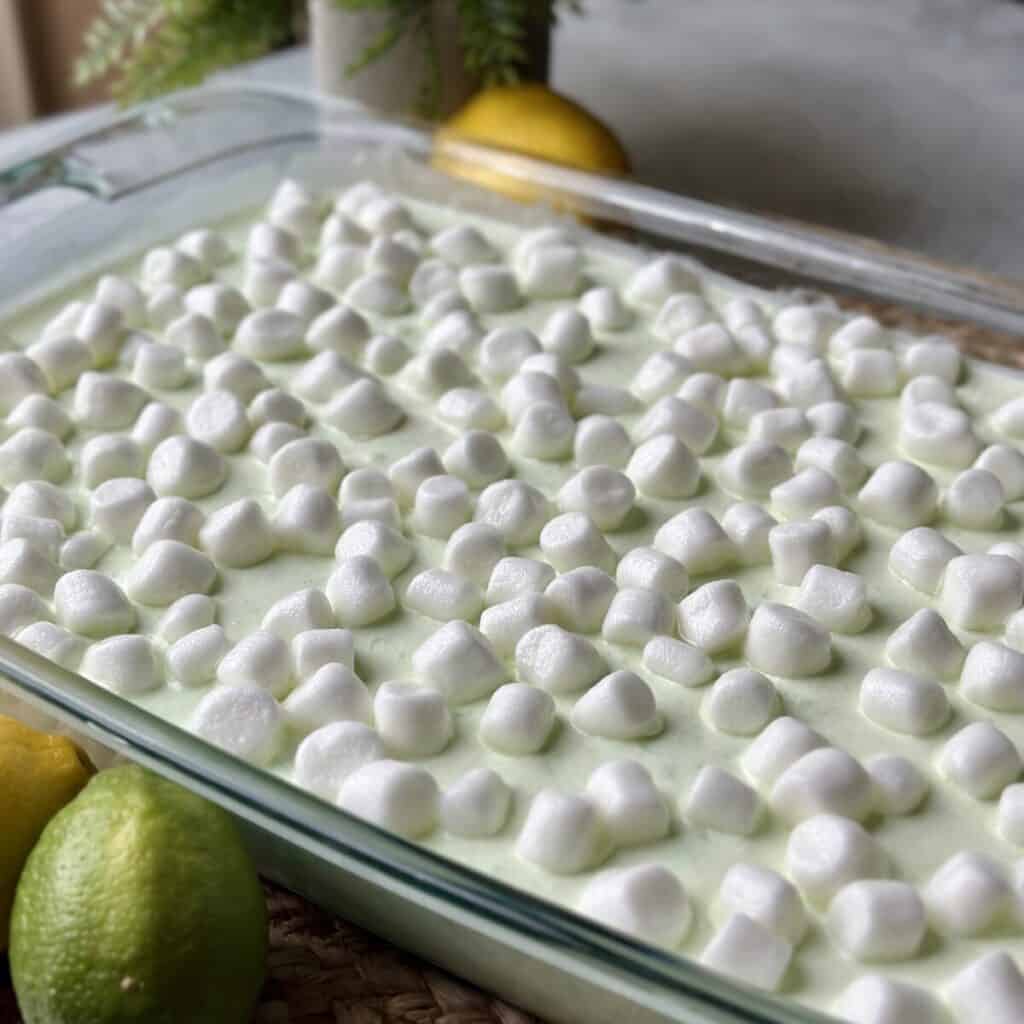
(159, 45)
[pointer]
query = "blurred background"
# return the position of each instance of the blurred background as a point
(901, 120)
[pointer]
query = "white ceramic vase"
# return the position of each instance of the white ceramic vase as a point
(393, 83)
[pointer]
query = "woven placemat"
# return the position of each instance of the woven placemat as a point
(323, 970)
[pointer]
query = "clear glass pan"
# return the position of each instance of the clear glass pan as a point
(149, 175)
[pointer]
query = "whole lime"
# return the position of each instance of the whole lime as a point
(138, 904)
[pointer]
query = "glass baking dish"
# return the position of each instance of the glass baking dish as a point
(147, 176)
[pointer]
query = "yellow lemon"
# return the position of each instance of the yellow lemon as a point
(138, 905)
(39, 774)
(533, 120)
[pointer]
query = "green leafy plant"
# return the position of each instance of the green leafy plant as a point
(154, 46)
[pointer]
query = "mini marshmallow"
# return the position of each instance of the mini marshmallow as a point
(566, 334)
(604, 494)
(604, 309)
(412, 722)
(298, 612)
(126, 665)
(937, 433)
(504, 350)
(33, 454)
(810, 327)
(601, 441)
(722, 803)
(711, 349)
(870, 373)
(470, 409)
(836, 457)
(218, 419)
(364, 410)
(516, 509)
(572, 540)
(557, 661)
(276, 406)
(862, 333)
(544, 431)
(238, 535)
(324, 375)
(808, 384)
(312, 649)
(431, 278)
(83, 550)
(477, 805)
(339, 330)
(505, 623)
(271, 242)
(786, 642)
(989, 989)
(787, 427)
(741, 702)
(662, 277)
(704, 390)
(473, 550)
(62, 361)
(827, 852)
(1007, 463)
(687, 422)
(333, 752)
(677, 661)
(748, 526)
(196, 336)
(223, 304)
(551, 271)
(823, 781)
(21, 607)
(581, 598)
(755, 469)
(518, 719)
(748, 952)
(562, 833)
(123, 295)
(924, 644)
(900, 786)
(101, 329)
(43, 413)
(42, 500)
(837, 599)
(459, 662)
(528, 388)
(333, 693)
(796, 547)
(745, 398)
(432, 373)
(981, 591)
(477, 458)
(993, 677)
(489, 289)
(53, 642)
(663, 467)
(645, 901)
(117, 507)
(681, 313)
(359, 591)
(398, 797)
(160, 367)
(164, 305)
(980, 759)
(103, 402)
(442, 505)
(305, 461)
(650, 569)
(192, 660)
(782, 743)
(91, 603)
(872, 999)
(920, 556)
(167, 571)
(383, 543)
(661, 374)
(974, 500)
(187, 615)
(877, 920)
(933, 357)
(44, 535)
(633, 810)
(156, 423)
(244, 720)
(967, 895)
(765, 897)
(22, 562)
(1011, 808)
(696, 540)
(264, 279)
(260, 659)
(462, 245)
(185, 467)
(1008, 419)
(439, 594)
(621, 706)
(714, 617)
(392, 256)
(806, 492)
(513, 577)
